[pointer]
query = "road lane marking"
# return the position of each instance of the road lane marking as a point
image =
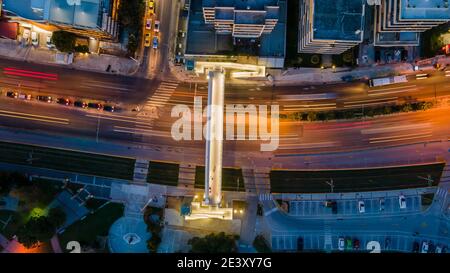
(35, 119)
(401, 139)
(392, 88)
(401, 136)
(294, 146)
(135, 121)
(368, 101)
(147, 132)
(369, 104)
(32, 115)
(395, 128)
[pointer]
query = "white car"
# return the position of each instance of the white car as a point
(402, 201)
(341, 244)
(148, 24)
(156, 27)
(361, 207)
(49, 41)
(424, 248)
(26, 34)
(34, 38)
(438, 249)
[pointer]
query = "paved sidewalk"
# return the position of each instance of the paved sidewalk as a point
(93, 62)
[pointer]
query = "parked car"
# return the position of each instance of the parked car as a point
(299, 244)
(95, 105)
(387, 243)
(49, 41)
(416, 247)
(424, 248)
(402, 201)
(26, 34)
(348, 244)
(382, 204)
(341, 244)
(24, 96)
(80, 104)
(361, 207)
(11, 94)
(64, 101)
(34, 38)
(44, 98)
(155, 42)
(151, 7)
(147, 40)
(148, 24)
(109, 108)
(156, 27)
(356, 244)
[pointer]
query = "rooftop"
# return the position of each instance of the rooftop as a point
(424, 9)
(240, 4)
(85, 13)
(338, 19)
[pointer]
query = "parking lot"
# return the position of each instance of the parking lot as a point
(309, 208)
(316, 242)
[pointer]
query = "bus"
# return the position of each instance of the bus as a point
(387, 81)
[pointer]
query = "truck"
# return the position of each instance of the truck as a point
(387, 81)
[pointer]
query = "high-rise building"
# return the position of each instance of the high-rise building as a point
(400, 22)
(241, 18)
(330, 26)
(92, 18)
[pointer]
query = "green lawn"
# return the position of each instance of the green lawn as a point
(354, 180)
(86, 231)
(232, 179)
(163, 173)
(64, 160)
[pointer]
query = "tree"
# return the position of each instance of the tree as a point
(153, 243)
(64, 41)
(260, 244)
(36, 230)
(57, 216)
(132, 44)
(213, 243)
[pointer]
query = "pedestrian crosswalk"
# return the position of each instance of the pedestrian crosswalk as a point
(265, 197)
(162, 95)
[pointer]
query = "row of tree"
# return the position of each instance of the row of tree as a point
(358, 113)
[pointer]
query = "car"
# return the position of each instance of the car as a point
(147, 40)
(348, 244)
(63, 101)
(438, 249)
(44, 98)
(151, 7)
(382, 204)
(11, 94)
(416, 247)
(34, 38)
(356, 244)
(424, 248)
(299, 244)
(109, 108)
(49, 41)
(26, 34)
(155, 42)
(80, 104)
(341, 244)
(431, 247)
(24, 96)
(148, 24)
(156, 27)
(361, 207)
(331, 204)
(402, 201)
(387, 243)
(95, 105)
